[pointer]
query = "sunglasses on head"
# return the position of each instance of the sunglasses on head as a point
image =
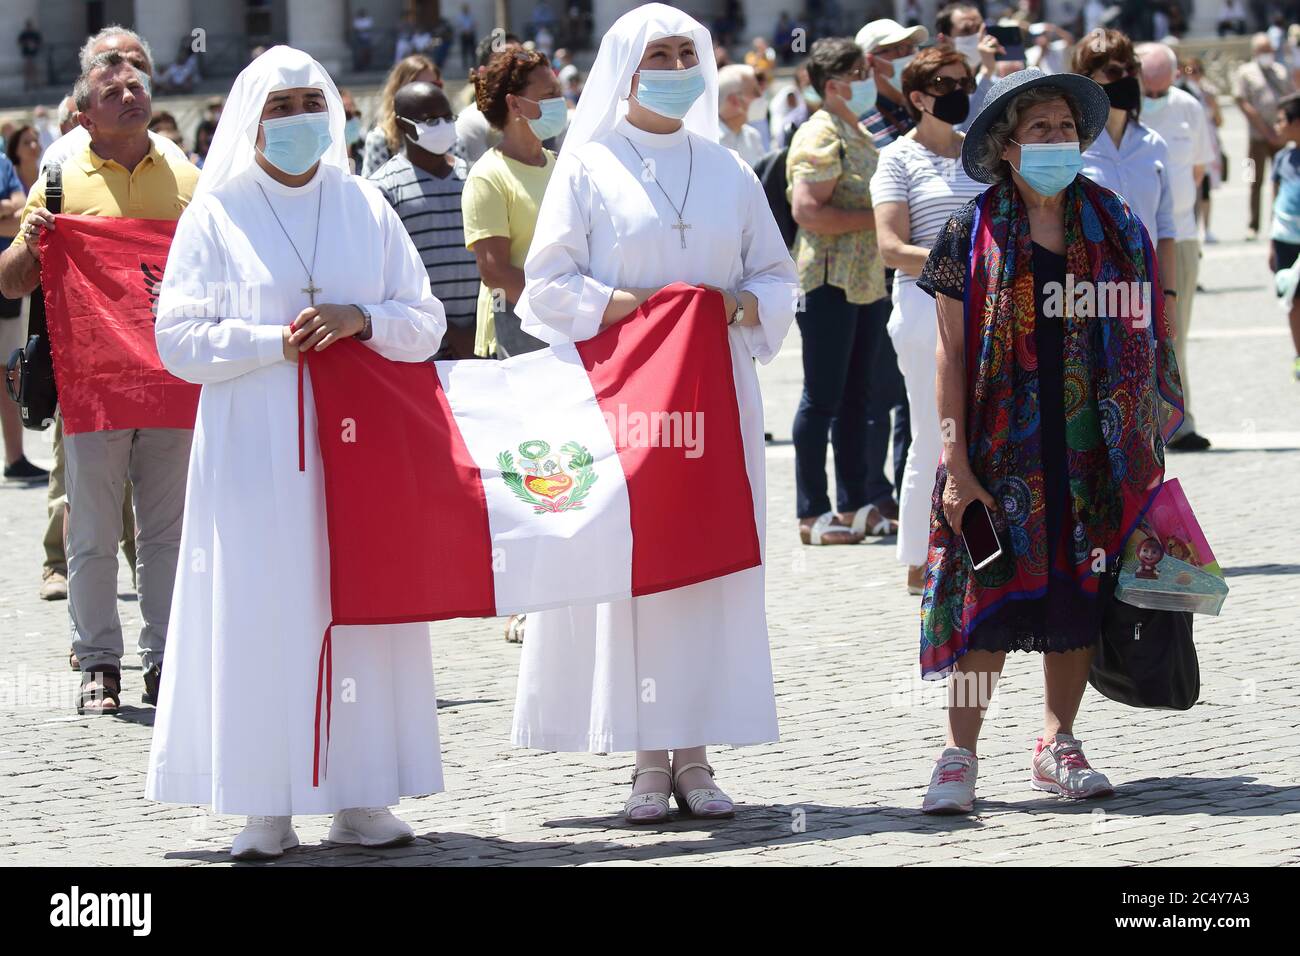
(941, 85)
(1114, 71)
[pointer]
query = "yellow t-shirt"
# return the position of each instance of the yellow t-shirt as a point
(501, 198)
(159, 187)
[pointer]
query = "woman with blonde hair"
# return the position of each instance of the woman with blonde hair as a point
(385, 139)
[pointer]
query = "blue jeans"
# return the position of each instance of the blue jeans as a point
(841, 358)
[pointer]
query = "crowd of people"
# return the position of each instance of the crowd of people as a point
(908, 200)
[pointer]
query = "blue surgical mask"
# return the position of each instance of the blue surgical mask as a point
(862, 96)
(295, 143)
(555, 116)
(352, 130)
(1153, 105)
(670, 93)
(1049, 167)
(812, 97)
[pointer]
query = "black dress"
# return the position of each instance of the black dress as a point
(1065, 618)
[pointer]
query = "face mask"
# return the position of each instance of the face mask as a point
(555, 116)
(863, 96)
(812, 97)
(1153, 105)
(670, 93)
(295, 143)
(757, 111)
(969, 47)
(900, 65)
(1264, 59)
(1049, 167)
(1124, 94)
(953, 107)
(352, 130)
(436, 136)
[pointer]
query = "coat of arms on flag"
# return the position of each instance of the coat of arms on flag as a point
(544, 483)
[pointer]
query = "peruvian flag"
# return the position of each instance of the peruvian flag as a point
(101, 277)
(573, 475)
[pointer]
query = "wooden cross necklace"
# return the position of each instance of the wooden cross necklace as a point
(682, 225)
(311, 288)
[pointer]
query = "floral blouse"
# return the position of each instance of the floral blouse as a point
(825, 147)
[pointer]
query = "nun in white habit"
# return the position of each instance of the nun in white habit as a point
(279, 231)
(642, 196)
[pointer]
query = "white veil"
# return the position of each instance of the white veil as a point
(604, 94)
(279, 68)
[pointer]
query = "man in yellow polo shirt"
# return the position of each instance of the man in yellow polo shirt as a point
(122, 173)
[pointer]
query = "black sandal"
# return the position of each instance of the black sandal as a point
(152, 682)
(97, 689)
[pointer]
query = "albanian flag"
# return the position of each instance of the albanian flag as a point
(101, 277)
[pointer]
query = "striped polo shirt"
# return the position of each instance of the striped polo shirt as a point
(429, 208)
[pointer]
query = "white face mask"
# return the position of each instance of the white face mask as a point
(1264, 59)
(969, 47)
(757, 110)
(437, 137)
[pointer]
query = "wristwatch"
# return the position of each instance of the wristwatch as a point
(366, 330)
(739, 312)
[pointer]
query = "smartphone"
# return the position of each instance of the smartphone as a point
(980, 536)
(1012, 41)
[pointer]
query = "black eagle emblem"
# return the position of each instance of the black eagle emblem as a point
(153, 276)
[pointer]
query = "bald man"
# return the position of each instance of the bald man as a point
(1178, 116)
(423, 183)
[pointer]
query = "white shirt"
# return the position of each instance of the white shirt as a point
(748, 142)
(474, 134)
(933, 187)
(1182, 124)
(1138, 171)
(77, 139)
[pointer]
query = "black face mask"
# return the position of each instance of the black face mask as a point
(953, 107)
(1124, 94)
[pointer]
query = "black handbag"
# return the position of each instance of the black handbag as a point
(1145, 657)
(29, 377)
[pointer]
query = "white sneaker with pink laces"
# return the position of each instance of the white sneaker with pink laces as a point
(952, 785)
(1061, 768)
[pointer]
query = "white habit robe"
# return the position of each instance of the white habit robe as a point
(235, 723)
(689, 666)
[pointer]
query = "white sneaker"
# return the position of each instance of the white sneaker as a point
(1060, 767)
(264, 838)
(952, 785)
(369, 826)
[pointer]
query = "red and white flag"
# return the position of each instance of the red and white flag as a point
(573, 475)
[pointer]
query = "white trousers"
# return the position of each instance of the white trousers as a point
(914, 330)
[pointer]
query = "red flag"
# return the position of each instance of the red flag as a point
(101, 277)
(574, 475)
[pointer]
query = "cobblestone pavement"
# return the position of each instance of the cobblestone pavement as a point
(1216, 785)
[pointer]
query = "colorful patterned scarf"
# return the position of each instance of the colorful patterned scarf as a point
(1123, 402)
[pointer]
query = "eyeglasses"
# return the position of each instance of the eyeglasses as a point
(942, 85)
(1117, 71)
